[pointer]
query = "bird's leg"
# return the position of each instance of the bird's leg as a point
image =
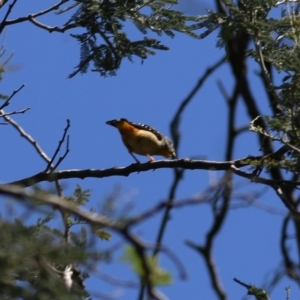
(151, 159)
(137, 161)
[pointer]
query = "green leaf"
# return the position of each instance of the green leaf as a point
(80, 197)
(157, 275)
(103, 235)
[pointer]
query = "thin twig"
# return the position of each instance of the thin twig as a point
(176, 119)
(3, 2)
(10, 7)
(14, 112)
(40, 13)
(178, 173)
(51, 28)
(176, 261)
(25, 135)
(242, 283)
(65, 154)
(36, 146)
(222, 194)
(51, 8)
(288, 291)
(49, 166)
(140, 251)
(6, 103)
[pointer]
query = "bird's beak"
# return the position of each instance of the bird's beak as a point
(111, 123)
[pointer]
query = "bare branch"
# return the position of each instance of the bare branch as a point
(6, 103)
(161, 164)
(288, 291)
(51, 8)
(3, 2)
(32, 18)
(25, 135)
(275, 184)
(58, 149)
(65, 154)
(210, 264)
(222, 196)
(242, 283)
(50, 28)
(140, 250)
(176, 119)
(49, 199)
(176, 261)
(126, 171)
(178, 173)
(2, 24)
(13, 112)
(284, 199)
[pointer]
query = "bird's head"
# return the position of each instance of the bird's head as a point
(117, 123)
(167, 149)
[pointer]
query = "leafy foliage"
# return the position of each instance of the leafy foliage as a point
(104, 40)
(32, 261)
(275, 41)
(80, 197)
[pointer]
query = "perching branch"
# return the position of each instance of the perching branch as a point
(126, 171)
(277, 185)
(161, 164)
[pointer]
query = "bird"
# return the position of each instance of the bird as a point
(143, 139)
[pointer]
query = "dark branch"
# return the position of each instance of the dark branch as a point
(174, 127)
(176, 120)
(17, 112)
(162, 164)
(10, 7)
(50, 28)
(32, 18)
(6, 103)
(126, 171)
(58, 149)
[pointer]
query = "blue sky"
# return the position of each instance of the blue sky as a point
(248, 246)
